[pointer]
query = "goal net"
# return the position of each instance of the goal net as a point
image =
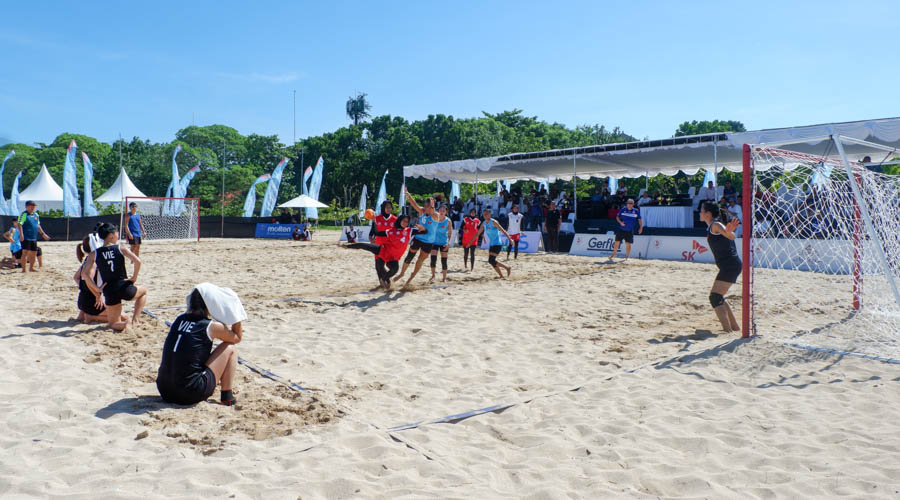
(825, 246)
(168, 218)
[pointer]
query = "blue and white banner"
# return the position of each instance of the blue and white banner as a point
(4, 209)
(281, 231)
(305, 184)
(613, 185)
(71, 205)
(250, 201)
(362, 201)
(315, 184)
(89, 209)
(529, 242)
(382, 193)
(454, 191)
(174, 189)
(14, 197)
(709, 177)
(178, 205)
(271, 196)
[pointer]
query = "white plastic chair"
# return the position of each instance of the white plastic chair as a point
(692, 191)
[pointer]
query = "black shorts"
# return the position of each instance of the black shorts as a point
(16, 255)
(621, 234)
(115, 293)
(419, 245)
(134, 240)
(29, 245)
(180, 395)
(729, 273)
(495, 249)
(88, 304)
(441, 248)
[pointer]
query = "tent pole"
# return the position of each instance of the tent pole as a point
(715, 163)
(575, 184)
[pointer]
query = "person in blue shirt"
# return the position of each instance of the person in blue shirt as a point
(628, 217)
(15, 248)
(441, 242)
(492, 229)
(421, 243)
(29, 226)
(134, 228)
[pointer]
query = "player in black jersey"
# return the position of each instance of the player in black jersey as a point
(720, 237)
(190, 367)
(90, 308)
(109, 261)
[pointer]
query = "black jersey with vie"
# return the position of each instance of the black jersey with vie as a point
(183, 376)
(111, 266)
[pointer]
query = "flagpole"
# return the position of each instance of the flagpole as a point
(223, 189)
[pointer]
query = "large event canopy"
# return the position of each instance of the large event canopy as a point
(687, 154)
(121, 189)
(44, 191)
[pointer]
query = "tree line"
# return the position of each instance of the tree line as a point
(354, 155)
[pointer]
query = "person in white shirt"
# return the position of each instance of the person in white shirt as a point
(645, 199)
(514, 228)
(707, 193)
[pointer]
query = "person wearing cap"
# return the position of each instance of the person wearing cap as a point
(29, 226)
(628, 217)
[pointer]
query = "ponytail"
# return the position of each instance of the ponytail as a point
(196, 303)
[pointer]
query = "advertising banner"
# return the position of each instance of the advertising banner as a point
(362, 233)
(283, 231)
(601, 245)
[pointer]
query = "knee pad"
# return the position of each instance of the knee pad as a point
(409, 257)
(444, 263)
(493, 260)
(716, 299)
(433, 260)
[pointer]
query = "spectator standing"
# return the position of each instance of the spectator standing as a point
(551, 227)
(730, 193)
(707, 193)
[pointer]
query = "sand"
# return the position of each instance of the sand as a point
(614, 380)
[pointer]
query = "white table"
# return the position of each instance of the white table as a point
(667, 216)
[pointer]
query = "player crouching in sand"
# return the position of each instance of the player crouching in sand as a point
(190, 367)
(109, 261)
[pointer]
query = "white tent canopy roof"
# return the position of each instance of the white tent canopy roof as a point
(121, 189)
(302, 201)
(44, 191)
(687, 154)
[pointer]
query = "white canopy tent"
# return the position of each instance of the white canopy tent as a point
(686, 154)
(303, 201)
(44, 191)
(121, 189)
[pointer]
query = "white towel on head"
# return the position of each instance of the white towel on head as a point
(222, 303)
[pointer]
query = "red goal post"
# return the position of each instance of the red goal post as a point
(166, 218)
(820, 244)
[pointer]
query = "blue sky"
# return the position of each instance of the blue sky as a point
(142, 69)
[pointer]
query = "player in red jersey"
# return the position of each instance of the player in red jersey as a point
(382, 222)
(470, 238)
(394, 241)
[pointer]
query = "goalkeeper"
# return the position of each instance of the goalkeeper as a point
(720, 237)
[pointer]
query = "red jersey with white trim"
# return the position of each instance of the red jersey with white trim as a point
(394, 244)
(470, 229)
(383, 223)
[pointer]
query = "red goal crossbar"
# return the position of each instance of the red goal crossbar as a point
(163, 198)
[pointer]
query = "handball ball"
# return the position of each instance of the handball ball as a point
(370, 214)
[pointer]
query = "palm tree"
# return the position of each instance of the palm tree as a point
(358, 108)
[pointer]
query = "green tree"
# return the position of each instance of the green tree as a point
(709, 127)
(358, 108)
